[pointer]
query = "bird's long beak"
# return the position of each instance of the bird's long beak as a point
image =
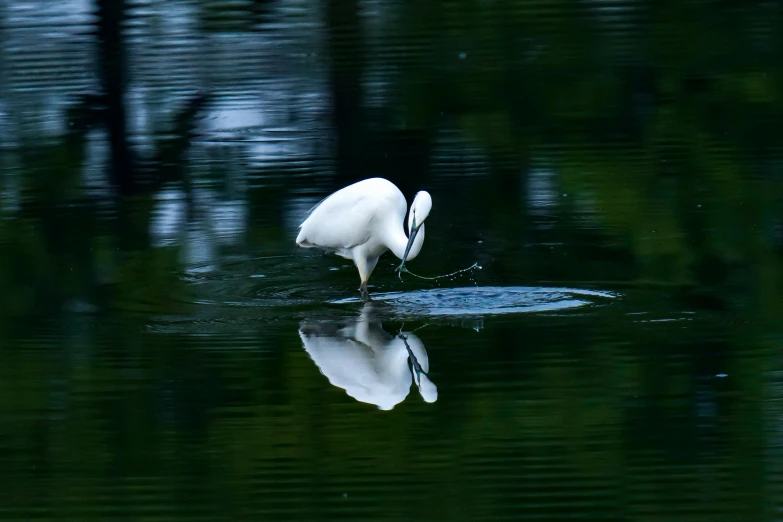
(414, 231)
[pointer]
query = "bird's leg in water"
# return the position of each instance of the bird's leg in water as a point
(364, 292)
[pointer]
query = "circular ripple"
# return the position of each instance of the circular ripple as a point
(486, 300)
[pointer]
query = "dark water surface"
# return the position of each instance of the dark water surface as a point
(167, 353)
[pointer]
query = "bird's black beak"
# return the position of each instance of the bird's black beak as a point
(414, 231)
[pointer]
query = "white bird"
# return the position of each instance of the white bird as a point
(367, 362)
(364, 220)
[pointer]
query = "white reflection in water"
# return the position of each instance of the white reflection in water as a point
(168, 217)
(11, 192)
(96, 158)
(50, 13)
(219, 221)
(229, 220)
(371, 365)
(199, 253)
(541, 189)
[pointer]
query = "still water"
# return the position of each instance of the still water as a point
(168, 353)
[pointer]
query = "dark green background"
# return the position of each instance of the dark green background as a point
(630, 147)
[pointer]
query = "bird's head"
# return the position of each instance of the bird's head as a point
(420, 209)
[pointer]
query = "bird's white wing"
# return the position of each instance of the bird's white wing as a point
(343, 220)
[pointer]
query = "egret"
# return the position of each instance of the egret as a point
(371, 365)
(364, 220)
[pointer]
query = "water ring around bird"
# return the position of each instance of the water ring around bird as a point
(487, 300)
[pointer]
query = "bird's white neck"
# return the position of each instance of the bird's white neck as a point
(399, 241)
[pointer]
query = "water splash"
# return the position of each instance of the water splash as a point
(403, 268)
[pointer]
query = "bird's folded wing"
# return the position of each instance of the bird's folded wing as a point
(339, 222)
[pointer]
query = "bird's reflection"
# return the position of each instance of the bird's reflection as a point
(370, 364)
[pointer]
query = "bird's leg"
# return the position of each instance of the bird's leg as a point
(364, 292)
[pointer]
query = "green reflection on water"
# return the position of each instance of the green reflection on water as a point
(161, 375)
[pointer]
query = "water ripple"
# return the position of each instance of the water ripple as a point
(487, 300)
